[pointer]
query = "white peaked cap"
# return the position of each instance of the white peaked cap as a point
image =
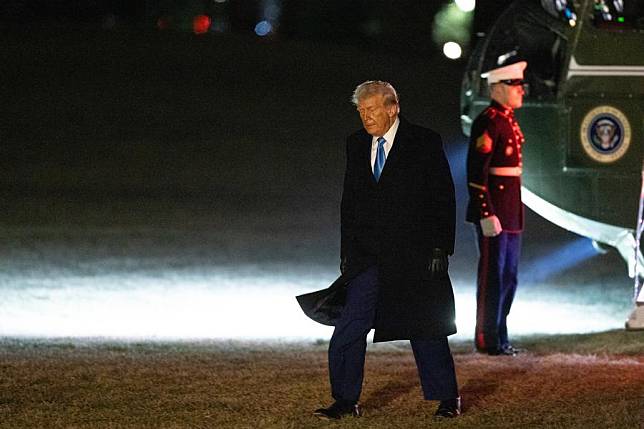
(513, 71)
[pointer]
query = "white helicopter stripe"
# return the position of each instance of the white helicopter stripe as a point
(574, 69)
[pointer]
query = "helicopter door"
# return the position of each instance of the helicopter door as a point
(605, 90)
(525, 31)
(604, 95)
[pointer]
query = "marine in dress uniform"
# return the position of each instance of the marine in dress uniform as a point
(494, 168)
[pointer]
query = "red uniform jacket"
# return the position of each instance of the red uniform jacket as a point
(495, 142)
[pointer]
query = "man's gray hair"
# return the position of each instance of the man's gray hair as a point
(375, 87)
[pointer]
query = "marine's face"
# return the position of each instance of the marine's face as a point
(509, 95)
(376, 117)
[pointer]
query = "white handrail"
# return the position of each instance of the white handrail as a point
(638, 233)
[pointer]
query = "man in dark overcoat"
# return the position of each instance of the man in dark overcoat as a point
(494, 167)
(397, 231)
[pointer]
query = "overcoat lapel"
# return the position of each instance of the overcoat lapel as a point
(365, 154)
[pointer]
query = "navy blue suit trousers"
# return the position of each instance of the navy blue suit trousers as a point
(348, 346)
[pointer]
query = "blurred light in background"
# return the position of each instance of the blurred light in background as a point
(271, 13)
(263, 28)
(271, 10)
(452, 50)
(452, 24)
(201, 24)
(466, 5)
(163, 23)
(219, 25)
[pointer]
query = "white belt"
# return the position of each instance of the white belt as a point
(505, 171)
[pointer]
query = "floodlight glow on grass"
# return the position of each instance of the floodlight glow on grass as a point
(211, 305)
(559, 260)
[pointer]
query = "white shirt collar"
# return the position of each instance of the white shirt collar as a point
(390, 135)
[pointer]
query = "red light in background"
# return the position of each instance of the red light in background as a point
(163, 23)
(201, 24)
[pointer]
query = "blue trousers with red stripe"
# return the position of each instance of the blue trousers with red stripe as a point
(348, 345)
(496, 287)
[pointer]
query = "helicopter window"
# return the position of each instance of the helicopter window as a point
(618, 14)
(561, 9)
(538, 38)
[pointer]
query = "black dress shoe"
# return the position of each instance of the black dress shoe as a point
(449, 408)
(337, 410)
(504, 351)
(510, 348)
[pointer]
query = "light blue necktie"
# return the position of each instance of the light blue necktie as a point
(379, 164)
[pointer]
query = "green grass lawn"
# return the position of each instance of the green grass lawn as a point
(567, 381)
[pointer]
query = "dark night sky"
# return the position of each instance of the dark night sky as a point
(134, 110)
(336, 19)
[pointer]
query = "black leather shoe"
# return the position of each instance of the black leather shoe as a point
(510, 348)
(337, 410)
(505, 351)
(449, 408)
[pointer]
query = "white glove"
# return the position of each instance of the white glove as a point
(491, 226)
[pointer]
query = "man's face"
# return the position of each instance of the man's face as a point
(508, 95)
(376, 117)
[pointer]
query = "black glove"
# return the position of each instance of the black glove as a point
(439, 263)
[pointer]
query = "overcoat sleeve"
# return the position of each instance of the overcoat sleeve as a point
(347, 208)
(441, 191)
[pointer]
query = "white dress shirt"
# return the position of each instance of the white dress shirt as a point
(389, 136)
